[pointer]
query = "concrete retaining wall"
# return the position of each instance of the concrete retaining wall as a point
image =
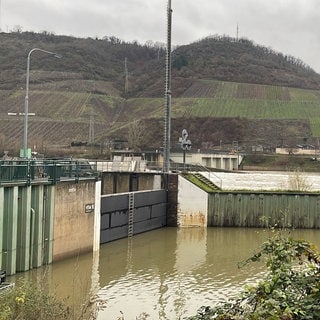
(74, 218)
(192, 209)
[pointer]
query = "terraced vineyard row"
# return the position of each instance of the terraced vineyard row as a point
(315, 126)
(265, 109)
(79, 85)
(63, 116)
(49, 132)
(262, 92)
(60, 105)
(232, 90)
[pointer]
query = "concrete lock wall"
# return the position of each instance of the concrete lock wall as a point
(74, 218)
(149, 212)
(192, 208)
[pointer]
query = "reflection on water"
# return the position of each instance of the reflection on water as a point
(172, 272)
(168, 273)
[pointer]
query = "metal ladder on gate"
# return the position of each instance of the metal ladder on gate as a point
(130, 214)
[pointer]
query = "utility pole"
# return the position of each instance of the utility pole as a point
(167, 125)
(237, 32)
(126, 76)
(91, 128)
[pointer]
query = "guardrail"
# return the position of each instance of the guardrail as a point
(47, 170)
(198, 167)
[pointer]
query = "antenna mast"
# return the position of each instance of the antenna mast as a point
(237, 32)
(0, 18)
(167, 125)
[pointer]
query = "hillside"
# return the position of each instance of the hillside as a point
(223, 91)
(227, 59)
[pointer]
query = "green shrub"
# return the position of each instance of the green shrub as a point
(26, 301)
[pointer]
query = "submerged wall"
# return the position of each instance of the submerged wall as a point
(148, 208)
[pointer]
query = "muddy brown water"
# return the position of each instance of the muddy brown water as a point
(167, 273)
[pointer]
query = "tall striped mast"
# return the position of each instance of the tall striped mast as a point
(0, 18)
(167, 125)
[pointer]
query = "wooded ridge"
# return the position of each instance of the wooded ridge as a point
(223, 89)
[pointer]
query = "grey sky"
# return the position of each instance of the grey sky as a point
(288, 26)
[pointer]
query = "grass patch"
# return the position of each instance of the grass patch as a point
(281, 162)
(196, 181)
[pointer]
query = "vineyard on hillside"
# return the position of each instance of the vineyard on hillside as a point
(63, 116)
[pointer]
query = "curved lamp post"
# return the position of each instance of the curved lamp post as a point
(26, 100)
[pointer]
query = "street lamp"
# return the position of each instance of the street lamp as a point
(26, 100)
(185, 145)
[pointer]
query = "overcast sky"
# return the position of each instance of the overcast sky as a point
(289, 26)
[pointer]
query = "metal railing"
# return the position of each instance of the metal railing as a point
(198, 167)
(47, 170)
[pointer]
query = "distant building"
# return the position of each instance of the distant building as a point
(126, 160)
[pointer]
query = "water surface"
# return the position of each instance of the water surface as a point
(167, 273)
(170, 273)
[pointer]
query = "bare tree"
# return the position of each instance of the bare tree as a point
(136, 133)
(17, 29)
(297, 181)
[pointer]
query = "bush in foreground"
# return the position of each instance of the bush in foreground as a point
(28, 301)
(290, 291)
(25, 301)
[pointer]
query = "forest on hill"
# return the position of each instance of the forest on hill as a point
(223, 90)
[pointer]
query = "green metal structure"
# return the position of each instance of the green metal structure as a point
(45, 170)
